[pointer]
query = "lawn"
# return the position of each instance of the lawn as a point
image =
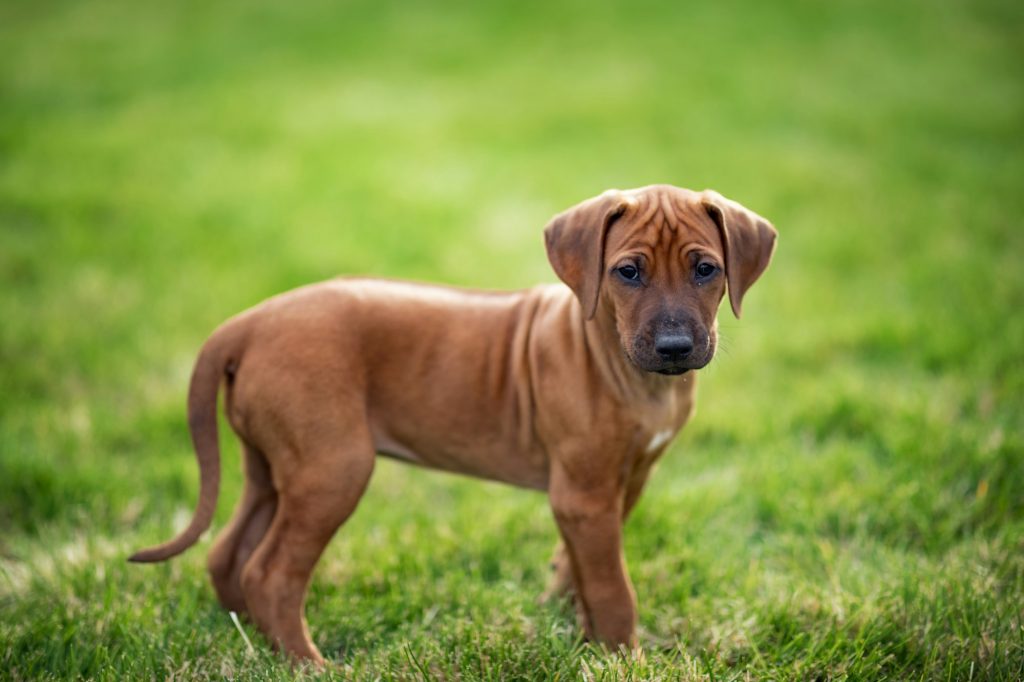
(848, 502)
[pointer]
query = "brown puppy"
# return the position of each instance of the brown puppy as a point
(575, 391)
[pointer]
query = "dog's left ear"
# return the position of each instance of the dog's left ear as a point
(748, 239)
(575, 243)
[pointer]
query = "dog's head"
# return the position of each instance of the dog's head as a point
(659, 259)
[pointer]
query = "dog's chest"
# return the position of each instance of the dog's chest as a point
(659, 440)
(661, 419)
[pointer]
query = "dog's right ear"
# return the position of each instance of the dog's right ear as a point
(575, 243)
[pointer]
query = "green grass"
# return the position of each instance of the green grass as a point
(848, 502)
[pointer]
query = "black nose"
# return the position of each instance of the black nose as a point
(673, 346)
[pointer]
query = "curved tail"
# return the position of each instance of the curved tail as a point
(211, 366)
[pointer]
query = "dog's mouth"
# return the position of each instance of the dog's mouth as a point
(670, 369)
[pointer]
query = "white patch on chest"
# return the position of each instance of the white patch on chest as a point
(659, 439)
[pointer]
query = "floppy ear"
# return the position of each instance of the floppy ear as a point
(575, 244)
(748, 239)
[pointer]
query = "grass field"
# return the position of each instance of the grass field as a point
(848, 502)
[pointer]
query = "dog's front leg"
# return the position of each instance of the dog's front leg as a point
(589, 518)
(561, 583)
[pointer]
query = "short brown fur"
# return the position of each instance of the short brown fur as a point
(577, 395)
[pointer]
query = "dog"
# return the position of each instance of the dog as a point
(575, 390)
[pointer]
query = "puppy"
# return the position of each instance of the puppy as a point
(574, 390)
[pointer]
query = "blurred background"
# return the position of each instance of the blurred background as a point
(847, 500)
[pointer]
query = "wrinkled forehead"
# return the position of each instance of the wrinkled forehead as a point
(660, 220)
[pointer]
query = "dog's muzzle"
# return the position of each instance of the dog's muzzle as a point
(671, 352)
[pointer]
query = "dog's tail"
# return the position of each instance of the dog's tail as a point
(218, 359)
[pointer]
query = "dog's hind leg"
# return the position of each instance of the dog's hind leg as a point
(318, 491)
(239, 539)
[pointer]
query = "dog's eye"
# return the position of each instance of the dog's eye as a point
(705, 270)
(629, 272)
